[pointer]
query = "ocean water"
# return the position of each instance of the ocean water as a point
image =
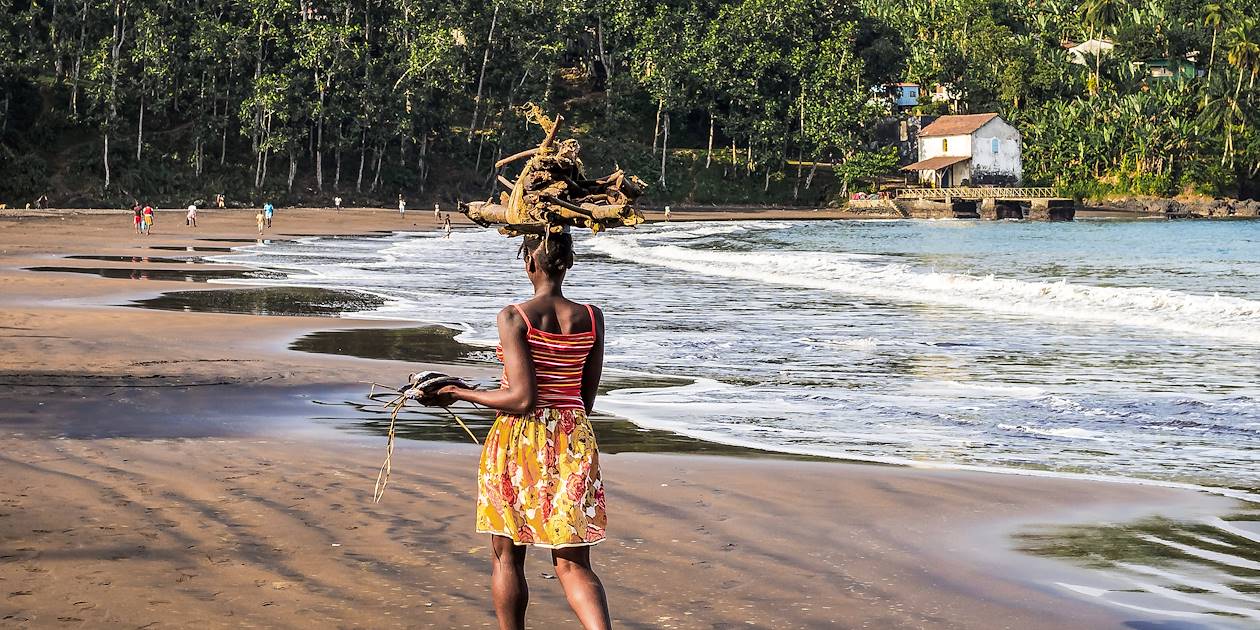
(1113, 348)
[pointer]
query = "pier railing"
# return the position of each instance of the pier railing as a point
(976, 192)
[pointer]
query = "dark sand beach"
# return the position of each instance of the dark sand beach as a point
(165, 468)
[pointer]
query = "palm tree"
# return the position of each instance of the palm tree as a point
(1244, 52)
(1221, 110)
(1214, 18)
(1099, 16)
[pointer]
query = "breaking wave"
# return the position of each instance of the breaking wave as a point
(863, 275)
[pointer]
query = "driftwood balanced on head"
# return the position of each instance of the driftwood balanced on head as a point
(552, 193)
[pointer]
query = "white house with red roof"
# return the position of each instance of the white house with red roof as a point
(969, 150)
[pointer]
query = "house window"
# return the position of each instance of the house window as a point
(994, 143)
(944, 145)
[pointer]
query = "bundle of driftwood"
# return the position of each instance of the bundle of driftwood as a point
(552, 193)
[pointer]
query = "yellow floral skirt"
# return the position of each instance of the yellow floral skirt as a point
(539, 483)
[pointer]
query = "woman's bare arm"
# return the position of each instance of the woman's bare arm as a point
(594, 368)
(521, 394)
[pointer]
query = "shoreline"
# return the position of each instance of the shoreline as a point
(876, 541)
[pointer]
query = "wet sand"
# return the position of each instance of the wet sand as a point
(169, 468)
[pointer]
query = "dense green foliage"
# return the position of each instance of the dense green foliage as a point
(713, 100)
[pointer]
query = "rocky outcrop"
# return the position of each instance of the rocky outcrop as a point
(1183, 208)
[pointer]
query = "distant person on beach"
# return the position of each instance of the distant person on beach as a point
(268, 211)
(148, 219)
(219, 201)
(539, 479)
(262, 221)
(667, 213)
(337, 202)
(191, 220)
(446, 225)
(402, 205)
(436, 211)
(138, 219)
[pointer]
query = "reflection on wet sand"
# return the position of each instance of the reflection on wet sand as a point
(1207, 570)
(303, 301)
(156, 260)
(430, 344)
(177, 275)
(188, 248)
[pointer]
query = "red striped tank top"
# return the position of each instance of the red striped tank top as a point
(558, 362)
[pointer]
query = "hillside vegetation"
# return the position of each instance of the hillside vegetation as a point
(103, 101)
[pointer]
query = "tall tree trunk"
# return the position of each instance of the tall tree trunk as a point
(604, 59)
(480, 144)
(319, 146)
(337, 160)
(813, 168)
(709, 156)
(140, 129)
(423, 161)
(52, 44)
(358, 182)
(485, 60)
(78, 60)
(120, 35)
(664, 149)
(800, 166)
(734, 159)
(254, 133)
(800, 150)
(258, 160)
(292, 167)
(266, 151)
(1212, 56)
(380, 157)
(106, 156)
(656, 133)
(227, 100)
(766, 188)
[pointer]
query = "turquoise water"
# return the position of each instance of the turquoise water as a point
(1115, 348)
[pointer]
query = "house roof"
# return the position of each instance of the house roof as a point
(937, 163)
(956, 125)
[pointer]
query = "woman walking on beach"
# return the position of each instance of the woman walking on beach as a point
(539, 481)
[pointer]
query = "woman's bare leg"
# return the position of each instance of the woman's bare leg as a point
(507, 583)
(582, 587)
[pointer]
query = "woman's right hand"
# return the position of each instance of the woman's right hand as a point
(448, 395)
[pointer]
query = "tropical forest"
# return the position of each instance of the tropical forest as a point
(709, 101)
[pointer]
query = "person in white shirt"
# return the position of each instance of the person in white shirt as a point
(192, 215)
(337, 202)
(402, 205)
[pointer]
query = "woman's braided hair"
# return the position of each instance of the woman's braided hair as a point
(553, 253)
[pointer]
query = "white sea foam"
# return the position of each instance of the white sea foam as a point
(1155, 309)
